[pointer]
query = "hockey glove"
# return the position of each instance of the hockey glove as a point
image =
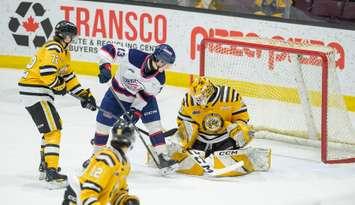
(105, 73)
(87, 100)
(125, 199)
(241, 133)
(60, 88)
(133, 115)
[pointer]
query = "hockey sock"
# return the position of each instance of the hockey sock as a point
(42, 149)
(51, 148)
(158, 141)
(100, 139)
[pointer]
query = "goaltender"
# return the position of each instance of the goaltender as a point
(213, 133)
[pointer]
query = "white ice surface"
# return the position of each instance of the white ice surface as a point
(297, 176)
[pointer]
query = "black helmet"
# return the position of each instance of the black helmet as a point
(122, 135)
(64, 28)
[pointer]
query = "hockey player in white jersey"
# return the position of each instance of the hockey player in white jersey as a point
(140, 78)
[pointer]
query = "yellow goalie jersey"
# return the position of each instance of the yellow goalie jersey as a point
(209, 123)
(105, 177)
(51, 61)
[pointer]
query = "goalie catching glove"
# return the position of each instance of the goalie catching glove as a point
(241, 132)
(59, 88)
(87, 100)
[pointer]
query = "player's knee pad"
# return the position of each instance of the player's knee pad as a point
(45, 116)
(124, 198)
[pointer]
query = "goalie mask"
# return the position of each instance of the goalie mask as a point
(122, 135)
(201, 90)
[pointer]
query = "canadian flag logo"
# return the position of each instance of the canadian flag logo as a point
(30, 25)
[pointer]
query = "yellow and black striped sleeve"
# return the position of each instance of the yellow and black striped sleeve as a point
(71, 81)
(48, 70)
(96, 178)
(184, 113)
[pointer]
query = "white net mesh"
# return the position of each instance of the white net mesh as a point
(291, 90)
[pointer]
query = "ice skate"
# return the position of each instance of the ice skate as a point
(42, 170)
(167, 165)
(54, 179)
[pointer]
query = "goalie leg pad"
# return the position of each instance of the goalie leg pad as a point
(227, 158)
(188, 165)
(255, 159)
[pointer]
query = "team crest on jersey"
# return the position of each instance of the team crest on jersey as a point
(132, 84)
(212, 122)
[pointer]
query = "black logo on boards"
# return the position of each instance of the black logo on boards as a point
(29, 26)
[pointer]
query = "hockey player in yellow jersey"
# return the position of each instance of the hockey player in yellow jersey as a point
(48, 74)
(213, 131)
(104, 180)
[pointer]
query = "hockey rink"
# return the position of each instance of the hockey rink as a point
(297, 177)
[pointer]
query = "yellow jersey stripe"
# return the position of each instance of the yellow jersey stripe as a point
(48, 115)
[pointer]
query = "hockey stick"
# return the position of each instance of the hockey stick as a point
(209, 170)
(168, 133)
(125, 112)
(137, 129)
(116, 117)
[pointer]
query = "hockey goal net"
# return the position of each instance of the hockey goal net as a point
(291, 90)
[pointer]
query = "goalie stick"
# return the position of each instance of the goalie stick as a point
(209, 170)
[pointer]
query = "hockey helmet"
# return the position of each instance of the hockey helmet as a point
(122, 135)
(65, 28)
(165, 53)
(201, 90)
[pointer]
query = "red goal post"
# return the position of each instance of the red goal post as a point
(291, 89)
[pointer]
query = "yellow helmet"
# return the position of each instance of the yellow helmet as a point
(201, 90)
